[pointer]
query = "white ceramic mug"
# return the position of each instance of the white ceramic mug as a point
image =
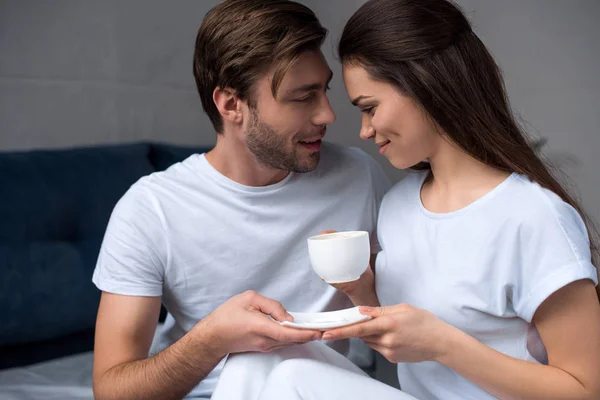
(341, 256)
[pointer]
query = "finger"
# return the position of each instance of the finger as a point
(376, 346)
(359, 330)
(375, 339)
(386, 352)
(268, 306)
(280, 346)
(266, 344)
(284, 334)
(374, 312)
(378, 312)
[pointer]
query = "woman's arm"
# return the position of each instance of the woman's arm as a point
(362, 291)
(568, 323)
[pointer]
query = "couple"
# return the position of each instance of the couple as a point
(483, 285)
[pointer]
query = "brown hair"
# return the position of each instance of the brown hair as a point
(428, 51)
(240, 40)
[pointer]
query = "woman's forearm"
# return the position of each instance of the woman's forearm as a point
(509, 378)
(364, 299)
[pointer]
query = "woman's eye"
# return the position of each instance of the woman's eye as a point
(369, 111)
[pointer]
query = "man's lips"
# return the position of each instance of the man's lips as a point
(312, 144)
(312, 140)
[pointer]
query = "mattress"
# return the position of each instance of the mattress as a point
(66, 378)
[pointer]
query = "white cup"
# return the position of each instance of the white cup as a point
(341, 256)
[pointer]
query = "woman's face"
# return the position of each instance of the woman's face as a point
(395, 122)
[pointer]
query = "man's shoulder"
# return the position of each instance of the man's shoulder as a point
(341, 153)
(144, 192)
(185, 174)
(354, 165)
(136, 198)
(348, 158)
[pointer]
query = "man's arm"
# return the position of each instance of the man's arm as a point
(126, 325)
(122, 370)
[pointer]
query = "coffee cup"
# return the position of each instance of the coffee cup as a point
(341, 256)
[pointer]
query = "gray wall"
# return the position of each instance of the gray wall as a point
(549, 51)
(76, 72)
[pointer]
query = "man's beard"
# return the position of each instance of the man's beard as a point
(271, 148)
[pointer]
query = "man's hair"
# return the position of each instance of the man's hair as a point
(240, 40)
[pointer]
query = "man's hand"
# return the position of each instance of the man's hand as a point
(126, 324)
(243, 324)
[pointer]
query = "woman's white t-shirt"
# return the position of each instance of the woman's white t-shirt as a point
(484, 269)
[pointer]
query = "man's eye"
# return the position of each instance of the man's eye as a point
(305, 99)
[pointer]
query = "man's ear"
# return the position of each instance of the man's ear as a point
(229, 105)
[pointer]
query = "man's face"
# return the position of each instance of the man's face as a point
(285, 132)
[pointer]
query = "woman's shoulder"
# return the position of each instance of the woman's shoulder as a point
(538, 205)
(404, 193)
(539, 202)
(408, 185)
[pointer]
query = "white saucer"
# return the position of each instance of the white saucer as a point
(326, 320)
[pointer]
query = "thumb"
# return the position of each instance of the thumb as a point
(270, 307)
(374, 312)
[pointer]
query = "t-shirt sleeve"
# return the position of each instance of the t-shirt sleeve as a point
(381, 184)
(134, 250)
(555, 251)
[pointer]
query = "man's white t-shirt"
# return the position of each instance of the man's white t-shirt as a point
(484, 269)
(197, 238)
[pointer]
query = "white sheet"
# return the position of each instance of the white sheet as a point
(245, 375)
(70, 378)
(66, 378)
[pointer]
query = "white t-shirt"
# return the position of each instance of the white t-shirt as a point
(484, 269)
(197, 238)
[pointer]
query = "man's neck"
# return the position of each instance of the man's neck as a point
(233, 159)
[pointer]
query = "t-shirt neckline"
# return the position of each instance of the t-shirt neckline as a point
(474, 205)
(215, 174)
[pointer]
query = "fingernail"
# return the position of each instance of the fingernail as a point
(289, 317)
(364, 309)
(327, 336)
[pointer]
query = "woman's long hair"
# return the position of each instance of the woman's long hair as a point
(428, 51)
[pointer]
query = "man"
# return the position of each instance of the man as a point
(220, 239)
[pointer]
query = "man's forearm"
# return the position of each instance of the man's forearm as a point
(170, 374)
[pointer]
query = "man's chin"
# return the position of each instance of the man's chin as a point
(308, 164)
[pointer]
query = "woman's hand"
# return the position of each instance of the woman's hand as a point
(401, 333)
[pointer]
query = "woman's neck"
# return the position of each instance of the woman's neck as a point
(458, 179)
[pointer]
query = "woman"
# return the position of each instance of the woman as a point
(486, 272)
